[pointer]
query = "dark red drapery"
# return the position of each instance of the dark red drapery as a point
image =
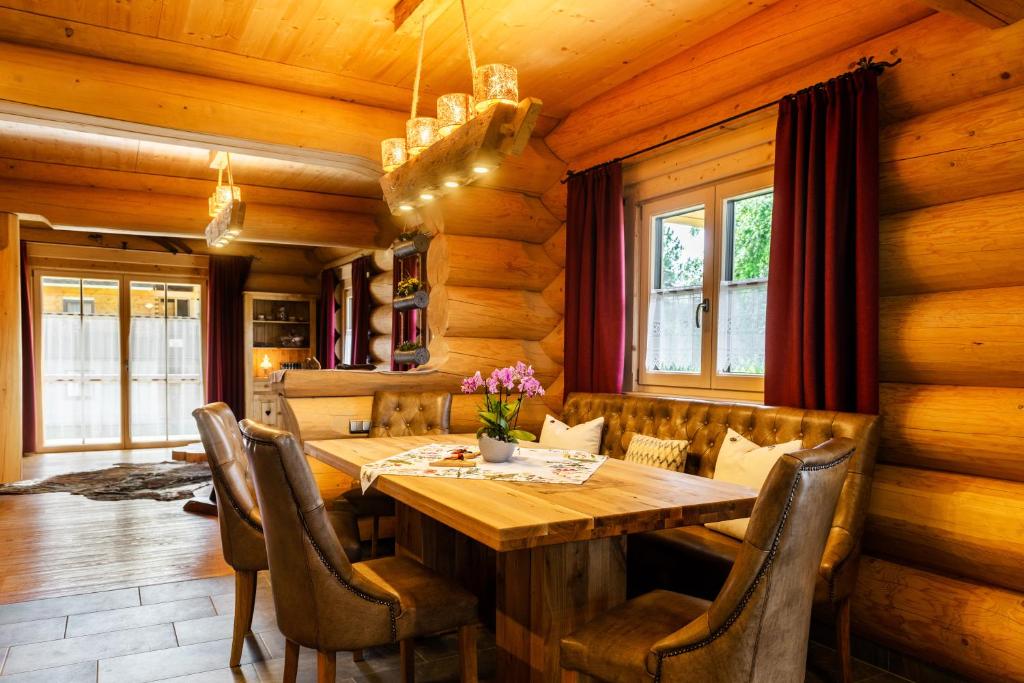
(28, 363)
(225, 375)
(821, 344)
(325, 332)
(595, 282)
(361, 310)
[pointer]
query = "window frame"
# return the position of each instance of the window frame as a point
(649, 212)
(714, 198)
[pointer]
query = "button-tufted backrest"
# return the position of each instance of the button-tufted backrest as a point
(704, 424)
(410, 413)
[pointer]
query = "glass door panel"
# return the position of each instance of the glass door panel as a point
(81, 360)
(147, 344)
(184, 360)
(165, 345)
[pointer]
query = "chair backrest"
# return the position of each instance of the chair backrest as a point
(321, 602)
(237, 511)
(757, 627)
(410, 413)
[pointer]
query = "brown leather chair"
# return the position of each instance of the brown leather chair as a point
(696, 560)
(757, 627)
(327, 603)
(399, 413)
(241, 530)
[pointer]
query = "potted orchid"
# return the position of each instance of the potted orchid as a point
(504, 392)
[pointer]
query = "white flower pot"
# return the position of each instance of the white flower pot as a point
(493, 450)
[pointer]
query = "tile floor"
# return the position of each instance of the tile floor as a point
(180, 632)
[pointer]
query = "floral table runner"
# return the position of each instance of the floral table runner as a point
(533, 465)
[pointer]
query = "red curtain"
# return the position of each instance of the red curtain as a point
(225, 376)
(361, 310)
(325, 332)
(595, 282)
(821, 345)
(28, 362)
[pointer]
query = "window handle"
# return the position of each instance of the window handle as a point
(704, 306)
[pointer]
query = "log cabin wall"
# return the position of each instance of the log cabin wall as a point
(941, 575)
(496, 274)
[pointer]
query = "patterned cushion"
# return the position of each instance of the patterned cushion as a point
(668, 454)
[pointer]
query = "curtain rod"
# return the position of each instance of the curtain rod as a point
(862, 63)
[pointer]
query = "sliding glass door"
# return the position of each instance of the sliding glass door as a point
(166, 342)
(81, 361)
(120, 360)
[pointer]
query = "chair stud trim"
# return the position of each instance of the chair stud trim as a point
(735, 615)
(390, 604)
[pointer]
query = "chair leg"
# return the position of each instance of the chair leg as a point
(357, 656)
(291, 661)
(245, 603)
(407, 656)
(326, 667)
(467, 654)
(374, 536)
(843, 640)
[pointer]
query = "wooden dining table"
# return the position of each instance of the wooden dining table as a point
(546, 558)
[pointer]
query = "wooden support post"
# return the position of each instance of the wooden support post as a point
(10, 349)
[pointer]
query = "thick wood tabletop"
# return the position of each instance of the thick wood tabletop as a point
(620, 497)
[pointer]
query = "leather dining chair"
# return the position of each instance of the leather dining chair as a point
(399, 413)
(241, 528)
(757, 628)
(324, 601)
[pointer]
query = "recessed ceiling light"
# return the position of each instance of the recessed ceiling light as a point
(451, 183)
(427, 197)
(405, 207)
(480, 170)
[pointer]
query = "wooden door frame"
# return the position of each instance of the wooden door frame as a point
(71, 267)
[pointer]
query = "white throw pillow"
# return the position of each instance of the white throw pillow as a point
(668, 454)
(582, 437)
(741, 461)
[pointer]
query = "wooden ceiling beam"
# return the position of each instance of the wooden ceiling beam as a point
(58, 33)
(68, 174)
(145, 102)
(990, 13)
(150, 213)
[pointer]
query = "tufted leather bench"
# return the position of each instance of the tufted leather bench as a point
(696, 560)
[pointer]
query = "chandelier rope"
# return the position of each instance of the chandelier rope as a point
(419, 69)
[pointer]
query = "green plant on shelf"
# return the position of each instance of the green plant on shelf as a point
(410, 345)
(409, 286)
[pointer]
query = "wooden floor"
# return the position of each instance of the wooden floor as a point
(57, 544)
(137, 591)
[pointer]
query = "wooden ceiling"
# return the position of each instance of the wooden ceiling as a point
(99, 133)
(567, 51)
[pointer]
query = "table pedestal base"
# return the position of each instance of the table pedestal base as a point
(536, 595)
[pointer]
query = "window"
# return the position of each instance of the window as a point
(703, 273)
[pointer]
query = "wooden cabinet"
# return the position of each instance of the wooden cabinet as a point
(280, 332)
